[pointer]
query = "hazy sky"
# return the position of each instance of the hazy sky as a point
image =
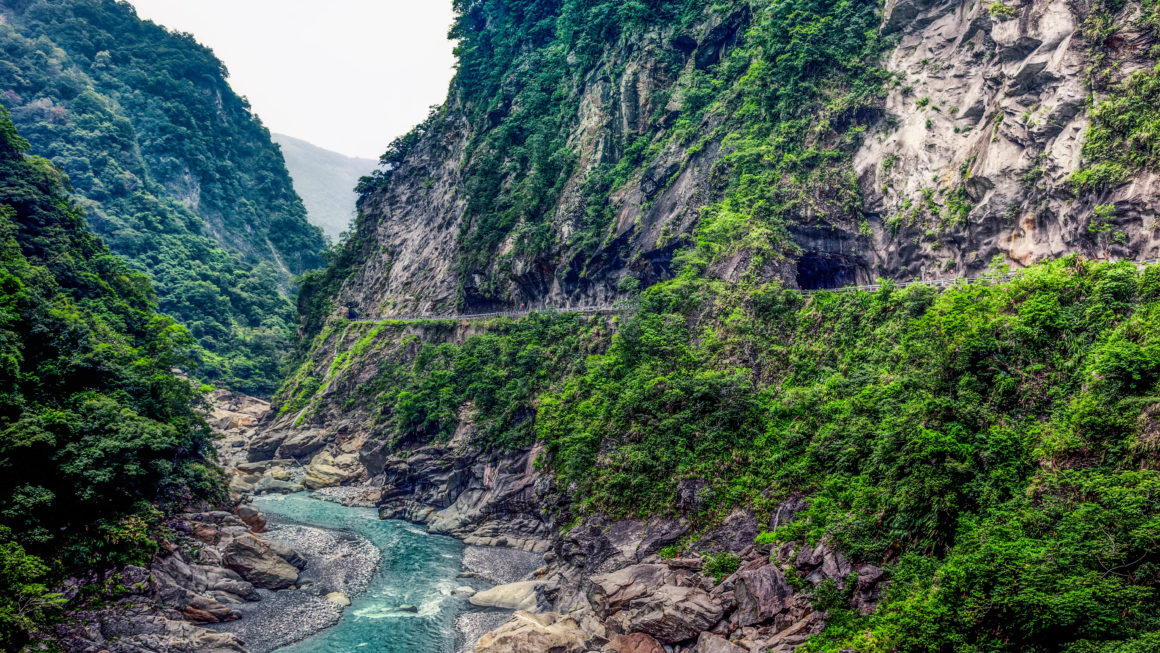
(346, 75)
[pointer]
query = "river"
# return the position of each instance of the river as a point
(416, 569)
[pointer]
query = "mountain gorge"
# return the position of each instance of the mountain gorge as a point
(175, 172)
(875, 365)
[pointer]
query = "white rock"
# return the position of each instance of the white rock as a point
(513, 596)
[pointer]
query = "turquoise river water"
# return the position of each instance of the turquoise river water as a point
(416, 569)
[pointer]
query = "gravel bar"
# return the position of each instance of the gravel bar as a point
(336, 561)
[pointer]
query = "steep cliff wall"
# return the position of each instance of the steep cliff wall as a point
(925, 148)
(986, 127)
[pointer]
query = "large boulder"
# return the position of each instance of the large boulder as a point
(610, 593)
(513, 596)
(671, 614)
(535, 633)
(713, 643)
(271, 485)
(302, 443)
(327, 471)
(668, 604)
(760, 593)
(264, 446)
(259, 564)
(634, 643)
(735, 534)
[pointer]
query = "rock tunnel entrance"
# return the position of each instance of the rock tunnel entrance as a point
(820, 270)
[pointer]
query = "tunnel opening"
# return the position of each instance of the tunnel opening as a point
(821, 270)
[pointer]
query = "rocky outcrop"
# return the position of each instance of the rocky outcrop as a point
(535, 633)
(512, 596)
(486, 499)
(259, 563)
(140, 629)
(162, 607)
(326, 470)
(990, 115)
(634, 643)
(760, 594)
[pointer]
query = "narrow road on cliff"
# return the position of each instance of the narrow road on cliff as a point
(627, 307)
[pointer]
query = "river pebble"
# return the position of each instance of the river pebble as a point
(359, 496)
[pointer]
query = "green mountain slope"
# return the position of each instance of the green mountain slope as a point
(992, 446)
(98, 438)
(176, 173)
(326, 182)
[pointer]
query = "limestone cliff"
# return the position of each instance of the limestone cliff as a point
(963, 153)
(996, 101)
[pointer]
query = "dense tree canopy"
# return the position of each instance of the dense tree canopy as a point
(177, 175)
(98, 437)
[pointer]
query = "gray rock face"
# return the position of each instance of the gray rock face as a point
(485, 499)
(669, 605)
(761, 594)
(634, 643)
(713, 643)
(303, 443)
(736, 533)
(671, 614)
(995, 106)
(138, 631)
(259, 563)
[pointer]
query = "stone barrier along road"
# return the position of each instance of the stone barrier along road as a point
(485, 316)
(625, 308)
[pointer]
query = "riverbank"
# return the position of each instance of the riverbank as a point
(336, 562)
(494, 566)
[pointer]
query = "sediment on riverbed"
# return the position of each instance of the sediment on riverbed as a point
(336, 561)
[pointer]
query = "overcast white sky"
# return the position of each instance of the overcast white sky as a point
(346, 75)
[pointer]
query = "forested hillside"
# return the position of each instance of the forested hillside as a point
(176, 173)
(99, 440)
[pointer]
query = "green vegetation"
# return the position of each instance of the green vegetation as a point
(98, 438)
(956, 436)
(1123, 136)
(175, 173)
(994, 446)
(422, 381)
(1002, 11)
(788, 101)
(802, 88)
(720, 565)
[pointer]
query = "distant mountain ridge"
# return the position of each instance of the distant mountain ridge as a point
(325, 180)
